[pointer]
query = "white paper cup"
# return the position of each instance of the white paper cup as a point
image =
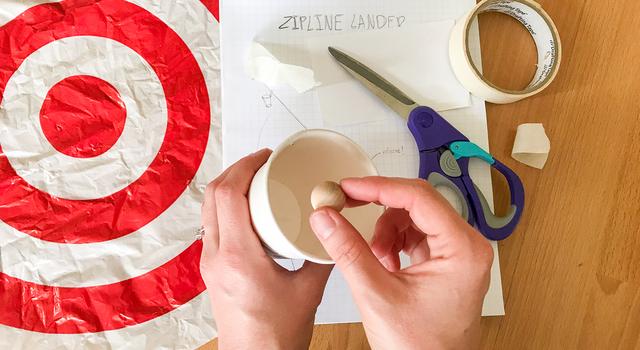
(279, 198)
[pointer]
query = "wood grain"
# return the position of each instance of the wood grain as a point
(571, 272)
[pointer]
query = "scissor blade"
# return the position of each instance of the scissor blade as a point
(379, 86)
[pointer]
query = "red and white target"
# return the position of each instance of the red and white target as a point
(109, 131)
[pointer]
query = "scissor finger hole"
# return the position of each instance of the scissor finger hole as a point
(452, 197)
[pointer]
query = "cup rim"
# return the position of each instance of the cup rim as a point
(284, 145)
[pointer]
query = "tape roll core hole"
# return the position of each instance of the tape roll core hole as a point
(512, 66)
(537, 64)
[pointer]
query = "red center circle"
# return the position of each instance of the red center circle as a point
(83, 116)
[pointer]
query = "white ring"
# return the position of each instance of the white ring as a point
(38, 162)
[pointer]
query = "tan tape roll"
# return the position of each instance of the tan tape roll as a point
(543, 32)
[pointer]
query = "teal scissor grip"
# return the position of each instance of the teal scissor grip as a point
(465, 149)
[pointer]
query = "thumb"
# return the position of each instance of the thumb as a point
(346, 247)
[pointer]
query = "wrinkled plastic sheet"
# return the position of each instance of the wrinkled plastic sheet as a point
(109, 132)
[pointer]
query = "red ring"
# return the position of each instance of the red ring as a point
(49, 218)
(59, 310)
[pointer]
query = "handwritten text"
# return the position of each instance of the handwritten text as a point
(340, 22)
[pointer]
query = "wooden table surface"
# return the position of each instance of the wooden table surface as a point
(571, 272)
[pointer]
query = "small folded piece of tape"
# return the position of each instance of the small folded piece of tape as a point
(532, 146)
(263, 66)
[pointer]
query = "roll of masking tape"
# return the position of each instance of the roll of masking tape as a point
(541, 28)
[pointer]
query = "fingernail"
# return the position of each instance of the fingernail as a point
(348, 180)
(322, 224)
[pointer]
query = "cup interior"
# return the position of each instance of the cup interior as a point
(297, 167)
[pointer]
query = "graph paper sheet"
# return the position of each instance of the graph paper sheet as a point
(257, 116)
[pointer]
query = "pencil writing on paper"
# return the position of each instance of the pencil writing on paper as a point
(340, 22)
(388, 151)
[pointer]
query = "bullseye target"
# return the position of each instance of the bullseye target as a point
(108, 135)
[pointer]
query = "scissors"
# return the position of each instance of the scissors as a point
(444, 153)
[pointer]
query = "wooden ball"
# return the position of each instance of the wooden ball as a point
(328, 194)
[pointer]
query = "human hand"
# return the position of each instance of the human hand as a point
(256, 303)
(436, 302)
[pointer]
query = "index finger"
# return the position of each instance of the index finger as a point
(430, 212)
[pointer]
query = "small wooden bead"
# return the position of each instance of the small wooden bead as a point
(328, 194)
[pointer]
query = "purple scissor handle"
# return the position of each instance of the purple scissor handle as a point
(444, 161)
(444, 153)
